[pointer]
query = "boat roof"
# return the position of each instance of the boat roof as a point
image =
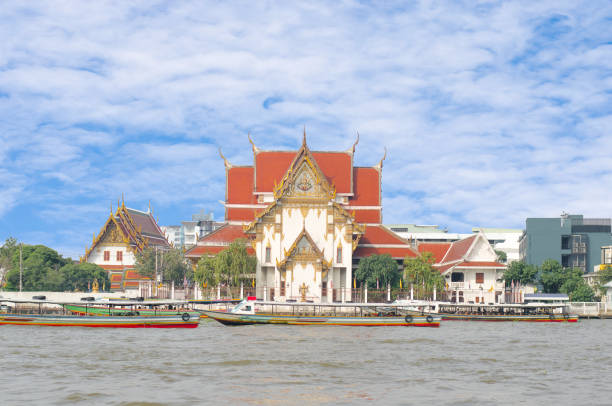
(98, 302)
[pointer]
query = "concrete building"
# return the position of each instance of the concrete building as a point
(572, 240)
(188, 233)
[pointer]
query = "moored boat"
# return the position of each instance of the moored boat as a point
(48, 314)
(354, 314)
(526, 312)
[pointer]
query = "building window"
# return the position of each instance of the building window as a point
(119, 255)
(565, 242)
(268, 254)
(107, 255)
(339, 255)
(457, 277)
(479, 277)
(565, 260)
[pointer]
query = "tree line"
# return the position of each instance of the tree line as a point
(554, 278)
(43, 269)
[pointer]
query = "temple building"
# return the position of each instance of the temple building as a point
(308, 216)
(125, 233)
(470, 268)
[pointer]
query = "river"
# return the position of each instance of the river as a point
(460, 363)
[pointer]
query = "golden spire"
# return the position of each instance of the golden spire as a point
(255, 149)
(352, 149)
(304, 137)
(111, 207)
(380, 164)
(227, 164)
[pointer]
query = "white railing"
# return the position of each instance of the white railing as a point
(588, 308)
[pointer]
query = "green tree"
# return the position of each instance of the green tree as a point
(6, 257)
(582, 293)
(171, 265)
(501, 256)
(81, 276)
(206, 273)
(420, 273)
(41, 266)
(552, 276)
(521, 272)
(228, 267)
(381, 268)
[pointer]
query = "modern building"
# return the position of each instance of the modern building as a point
(572, 240)
(125, 233)
(188, 233)
(309, 217)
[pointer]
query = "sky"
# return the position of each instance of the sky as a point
(491, 111)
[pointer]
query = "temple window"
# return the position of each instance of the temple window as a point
(339, 255)
(107, 255)
(268, 254)
(119, 255)
(480, 277)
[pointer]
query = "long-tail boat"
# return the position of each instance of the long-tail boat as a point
(529, 312)
(53, 314)
(321, 314)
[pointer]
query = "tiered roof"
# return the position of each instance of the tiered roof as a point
(245, 184)
(247, 187)
(136, 228)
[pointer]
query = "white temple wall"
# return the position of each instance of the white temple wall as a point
(96, 256)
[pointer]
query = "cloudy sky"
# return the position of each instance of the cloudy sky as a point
(492, 111)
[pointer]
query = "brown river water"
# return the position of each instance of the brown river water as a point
(460, 363)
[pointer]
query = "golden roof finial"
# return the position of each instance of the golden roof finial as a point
(352, 149)
(225, 161)
(111, 207)
(255, 149)
(149, 205)
(304, 137)
(380, 164)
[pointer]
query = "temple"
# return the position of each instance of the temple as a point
(308, 216)
(470, 269)
(125, 233)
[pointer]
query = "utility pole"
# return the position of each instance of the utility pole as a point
(155, 271)
(20, 267)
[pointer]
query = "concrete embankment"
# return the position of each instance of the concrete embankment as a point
(67, 296)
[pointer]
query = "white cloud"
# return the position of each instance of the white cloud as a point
(491, 112)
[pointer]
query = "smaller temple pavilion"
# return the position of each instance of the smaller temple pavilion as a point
(125, 233)
(470, 269)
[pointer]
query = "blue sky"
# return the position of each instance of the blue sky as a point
(492, 111)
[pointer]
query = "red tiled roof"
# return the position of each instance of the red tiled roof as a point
(337, 169)
(148, 227)
(396, 253)
(366, 187)
(132, 274)
(240, 214)
(218, 240)
(113, 267)
(458, 249)
(240, 185)
(271, 166)
(368, 216)
(437, 249)
(491, 264)
(378, 234)
(444, 268)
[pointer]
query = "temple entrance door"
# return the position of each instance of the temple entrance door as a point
(324, 291)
